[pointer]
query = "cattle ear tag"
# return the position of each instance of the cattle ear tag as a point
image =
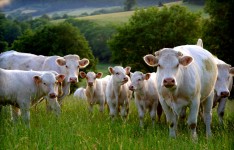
(37, 79)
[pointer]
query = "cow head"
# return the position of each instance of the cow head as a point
(225, 73)
(70, 66)
(119, 74)
(48, 84)
(137, 80)
(90, 77)
(168, 62)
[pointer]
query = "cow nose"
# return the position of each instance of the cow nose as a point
(90, 83)
(52, 95)
(224, 94)
(73, 79)
(131, 87)
(169, 82)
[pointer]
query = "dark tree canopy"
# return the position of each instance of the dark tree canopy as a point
(149, 30)
(218, 36)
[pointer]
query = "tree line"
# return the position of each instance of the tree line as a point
(147, 31)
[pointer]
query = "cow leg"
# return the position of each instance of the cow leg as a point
(171, 118)
(25, 109)
(141, 114)
(159, 112)
(15, 113)
(221, 109)
(124, 109)
(192, 116)
(152, 112)
(207, 111)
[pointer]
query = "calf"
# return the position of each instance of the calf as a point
(80, 93)
(95, 90)
(117, 92)
(145, 93)
(186, 76)
(68, 65)
(22, 89)
(223, 86)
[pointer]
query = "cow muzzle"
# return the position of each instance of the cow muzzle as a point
(169, 82)
(90, 83)
(52, 95)
(131, 87)
(73, 79)
(224, 94)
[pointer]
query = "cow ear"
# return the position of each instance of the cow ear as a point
(82, 74)
(61, 61)
(127, 69)
(151, 60)
(111, 70)
(147, 76)
(231, 71)
(99, 75)
(83, 63)
(60, 77)
(185, 60)
(37, 80)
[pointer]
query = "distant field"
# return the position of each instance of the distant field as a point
(122, 17)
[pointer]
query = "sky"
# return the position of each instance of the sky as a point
(4, 2)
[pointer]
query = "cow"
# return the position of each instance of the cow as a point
(80, 93)
(145, 94)
(22, 89)
(117, 93)
(223, 86)
(200, 43)
(186, 77)
(95, 89)
(68, 65)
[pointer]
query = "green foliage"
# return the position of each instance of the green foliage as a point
(60, 39)
(149, 30)
(97, 36)
(128, 4)
(218, 36)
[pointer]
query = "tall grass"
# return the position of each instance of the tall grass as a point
(76, 128)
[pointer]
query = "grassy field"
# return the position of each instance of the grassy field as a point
(123, 17)
(78, 129)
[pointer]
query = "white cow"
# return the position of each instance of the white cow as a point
(186, 76)
(145, 94)
(22, 89)
(68, 65)
(80, 93)
(223, 86)
(117, 93)
(95, 89)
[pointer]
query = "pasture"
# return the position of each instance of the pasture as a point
(77, 129)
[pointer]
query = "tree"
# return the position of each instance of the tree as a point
(128, 4)
(60, 39)
(149, 30)
(218, 36)
(97, 36)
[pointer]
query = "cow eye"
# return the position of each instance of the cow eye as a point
(44, 83)
(66, 66)
(139, 79)
(117, 73)
(78, 67)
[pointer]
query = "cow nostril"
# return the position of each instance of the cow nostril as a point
(52, 95)
(225, 94)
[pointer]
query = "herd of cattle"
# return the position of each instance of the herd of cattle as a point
(187, 76)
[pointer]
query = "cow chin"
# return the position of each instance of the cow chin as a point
(170, 87)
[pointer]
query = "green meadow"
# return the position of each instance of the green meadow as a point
(76, 128)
